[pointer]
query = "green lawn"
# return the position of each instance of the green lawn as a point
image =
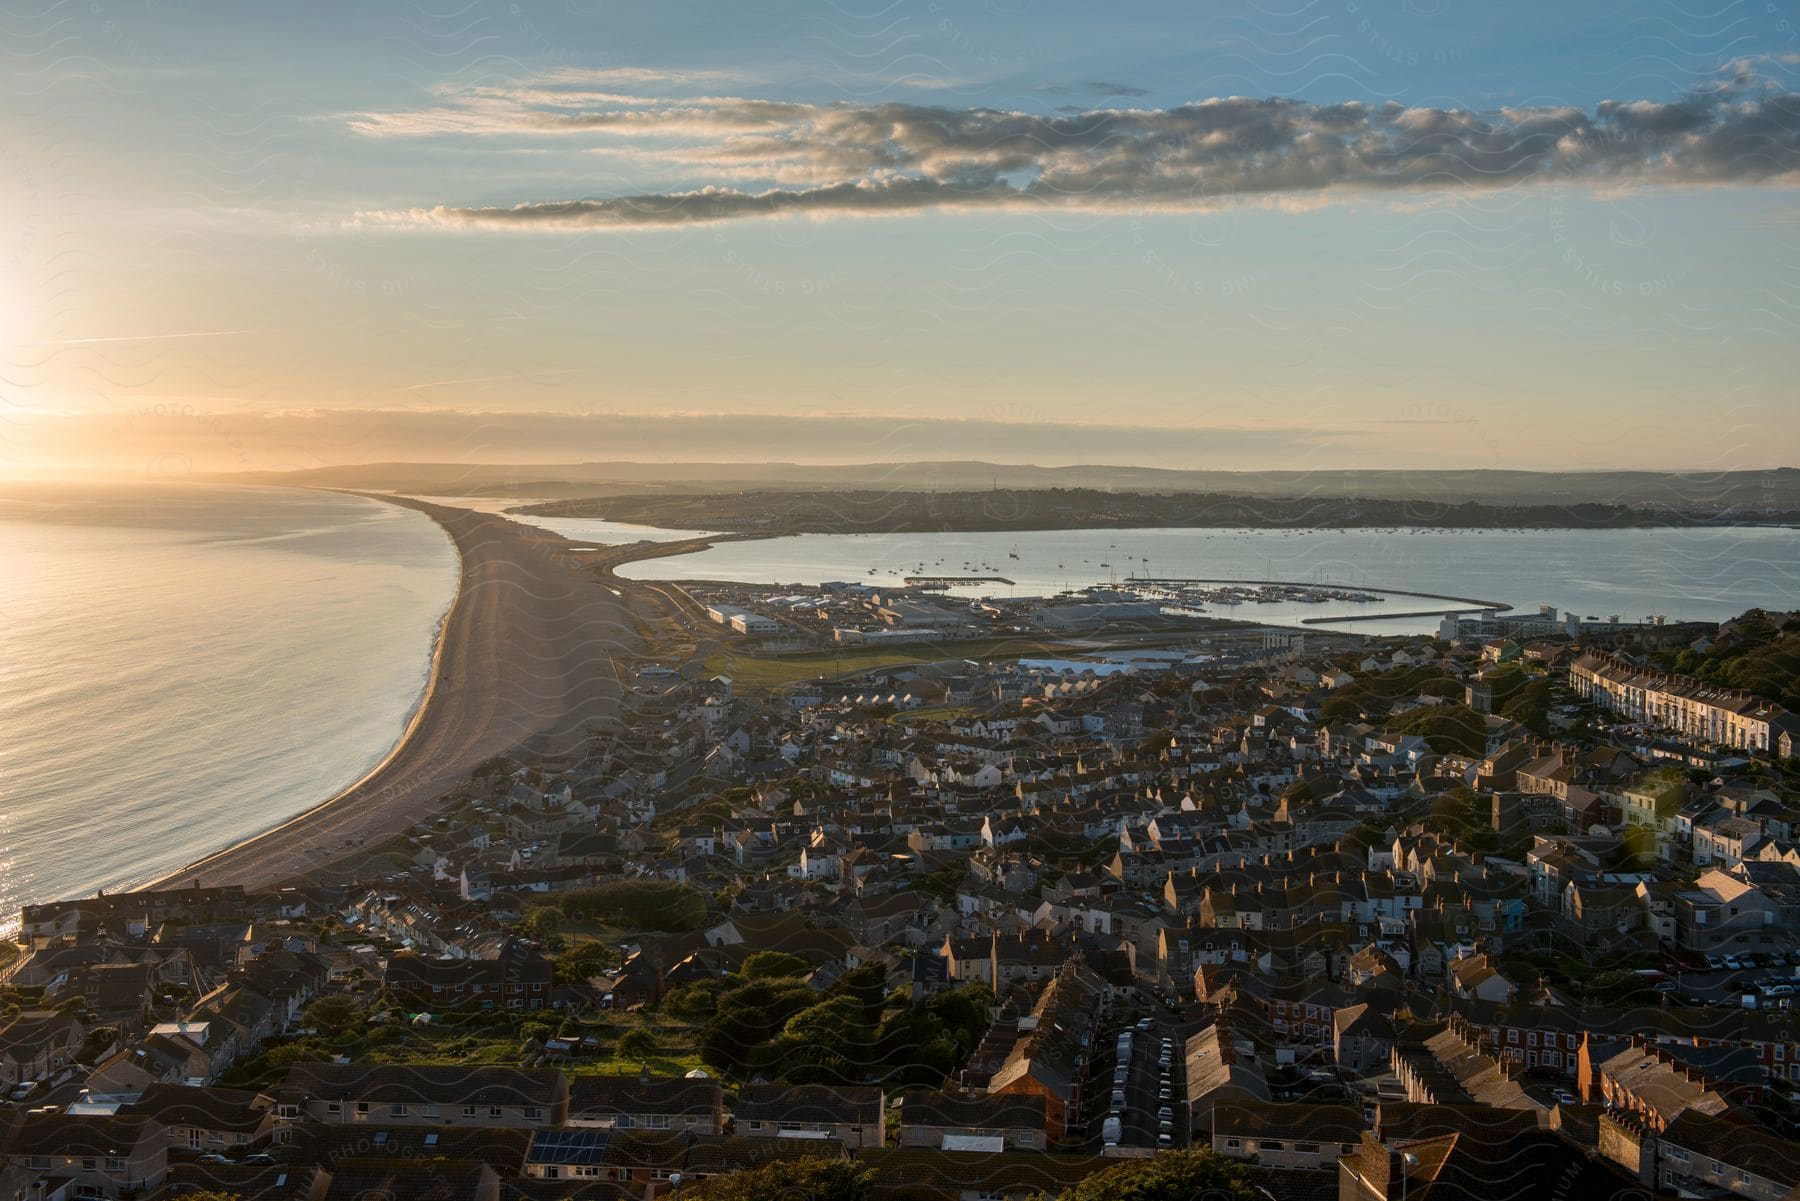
(770, 672)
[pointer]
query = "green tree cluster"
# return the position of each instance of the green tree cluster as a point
(788, 1180)
(1763, 658)
(1198, 1175)
(765, 1019)
(660, 905)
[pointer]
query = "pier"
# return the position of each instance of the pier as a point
(953, 581)
(1469, 604)
(1319, 621)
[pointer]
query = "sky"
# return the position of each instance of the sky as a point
(1232, 235)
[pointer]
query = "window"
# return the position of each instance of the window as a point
(494, 1111)
(533, 1113)
(362, 1107)
(468, 1111)
(656, 1121)
(398, 1111)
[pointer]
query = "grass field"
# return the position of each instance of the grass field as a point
(771, 672)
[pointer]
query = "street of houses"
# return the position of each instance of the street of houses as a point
(1356, 915)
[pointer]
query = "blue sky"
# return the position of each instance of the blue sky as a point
(1424, 233)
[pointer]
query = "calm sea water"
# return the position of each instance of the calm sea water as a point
(184, 666)
(1702, 574)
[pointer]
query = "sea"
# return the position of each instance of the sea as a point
(1705, 573)
(184, 666)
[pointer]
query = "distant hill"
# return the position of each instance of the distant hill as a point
(1746, 492)
(889, 511)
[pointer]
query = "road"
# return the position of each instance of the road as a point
(1138, 1115)
(525, 663)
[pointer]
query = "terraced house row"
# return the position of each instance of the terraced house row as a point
(1692, 708)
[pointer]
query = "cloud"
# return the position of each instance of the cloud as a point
(1094, 87)
(852, 159)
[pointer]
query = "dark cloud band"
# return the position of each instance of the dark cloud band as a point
(756, 159)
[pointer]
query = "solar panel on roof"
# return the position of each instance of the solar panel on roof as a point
(568, 1146)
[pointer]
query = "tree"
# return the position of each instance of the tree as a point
(638, 905)
(790, 1180)
(543, 921)
(770, 964)
(335, 1015)
(1172, 1176)
(638, 1043)
(582, 962)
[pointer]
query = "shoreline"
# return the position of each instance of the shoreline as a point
(518, 629)
(414, 717)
